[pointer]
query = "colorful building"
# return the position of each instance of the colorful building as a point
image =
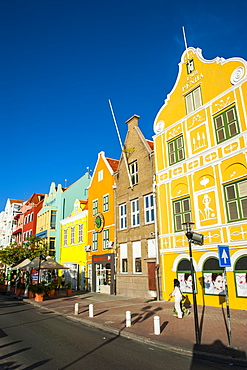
(58, 204)
(201, 173)
(8, 222)
(136, 237)
(74, 238)
(101, 226)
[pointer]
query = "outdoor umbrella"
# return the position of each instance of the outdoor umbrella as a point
(34, 264)
(22, 265)
(50, 264)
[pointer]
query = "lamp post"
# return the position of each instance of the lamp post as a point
(188, 228)
(42, 257)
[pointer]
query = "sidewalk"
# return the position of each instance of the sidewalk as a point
(177, 335)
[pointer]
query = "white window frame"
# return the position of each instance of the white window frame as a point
(100, 175)
(149, 208)
(136, 251)
(193, 100)
(133, 168)
(105, 202)
(80, 233)
(95, 207)
(135, 213)
(65, 237)
(123, 256)
(105, 236)
(94, 241)
(123, 216)
(72, 235)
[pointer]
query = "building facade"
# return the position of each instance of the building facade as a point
(101, 226)
(136, 246)
(201, 174)
(8, 221)
(72, 245)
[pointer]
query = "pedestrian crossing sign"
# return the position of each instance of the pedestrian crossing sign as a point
(224, 256)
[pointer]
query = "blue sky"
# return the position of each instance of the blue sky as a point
(61, 60)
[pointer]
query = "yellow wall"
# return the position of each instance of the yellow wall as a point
(205, 170)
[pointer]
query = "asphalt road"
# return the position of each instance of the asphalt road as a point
(34, 338)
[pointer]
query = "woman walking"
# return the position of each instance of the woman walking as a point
(178, 298)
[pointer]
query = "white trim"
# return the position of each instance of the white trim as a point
(181, 257)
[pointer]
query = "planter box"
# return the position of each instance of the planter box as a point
(68, 292)
(51, 293)
(31, 294)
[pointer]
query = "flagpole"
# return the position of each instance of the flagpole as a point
(121, 144)
(185, 42)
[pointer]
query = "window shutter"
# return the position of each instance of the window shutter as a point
(197, 97)
(189, 103)
(233, 211)
(230, 192)
(244, 207)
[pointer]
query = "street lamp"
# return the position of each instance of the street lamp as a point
(196, 239)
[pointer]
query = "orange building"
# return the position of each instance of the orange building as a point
(101, 226)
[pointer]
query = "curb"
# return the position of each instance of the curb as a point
(148, 341)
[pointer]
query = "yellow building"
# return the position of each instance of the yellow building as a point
(201, 176)
(73, 242)
(101, 226)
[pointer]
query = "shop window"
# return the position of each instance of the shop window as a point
(193, 100)
(176, 150)
(240, 273)
(213, 277)
(123, 257)
(184, 276)
(137, 267)
(236, 201)
(226, 125)
(123, 216)
(181, 212)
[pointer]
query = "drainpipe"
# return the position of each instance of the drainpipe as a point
(156, 241)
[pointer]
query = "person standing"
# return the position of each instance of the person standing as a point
(178, 298)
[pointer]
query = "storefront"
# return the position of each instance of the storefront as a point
(103, 273)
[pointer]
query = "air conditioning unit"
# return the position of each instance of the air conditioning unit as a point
(87, 248)
(109, 244)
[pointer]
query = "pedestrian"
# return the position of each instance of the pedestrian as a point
(178, 298)
(62, 281)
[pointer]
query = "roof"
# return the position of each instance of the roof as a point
(113, 163)
(16, 201)
(151, 144)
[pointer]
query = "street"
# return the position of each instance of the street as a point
(32, 337)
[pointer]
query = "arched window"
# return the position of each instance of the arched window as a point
(213, 277)
(184, 276)
(240, 273)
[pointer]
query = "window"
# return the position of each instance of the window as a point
(100, 175)
(124, 265)
(135, 216)
(65, 237)
(52, 247)
(236, 201)
(241, 276)
(95, 241)
(31, 217)
(176, 150)
(134, 173)
(226, 125)
(213, 276)
(123, 216)
(149, 208)
(53, 220)
(193, 100)
(80, 233)
(137, 257)
(184, 276)
(182, 213)
(106, 203)
(95, 207)
(105, 238)
(72, 235)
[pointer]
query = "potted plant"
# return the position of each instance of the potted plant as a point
(68, 287)
(51, 289)
(31, 290)
(20, 288)
(39, 292)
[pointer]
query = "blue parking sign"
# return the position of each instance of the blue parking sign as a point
(224, 256)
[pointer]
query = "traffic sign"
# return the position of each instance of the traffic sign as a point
(224, 256)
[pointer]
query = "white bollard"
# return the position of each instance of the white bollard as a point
(76, 308)
(91, 310)
(156, 325)
(128, 319)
